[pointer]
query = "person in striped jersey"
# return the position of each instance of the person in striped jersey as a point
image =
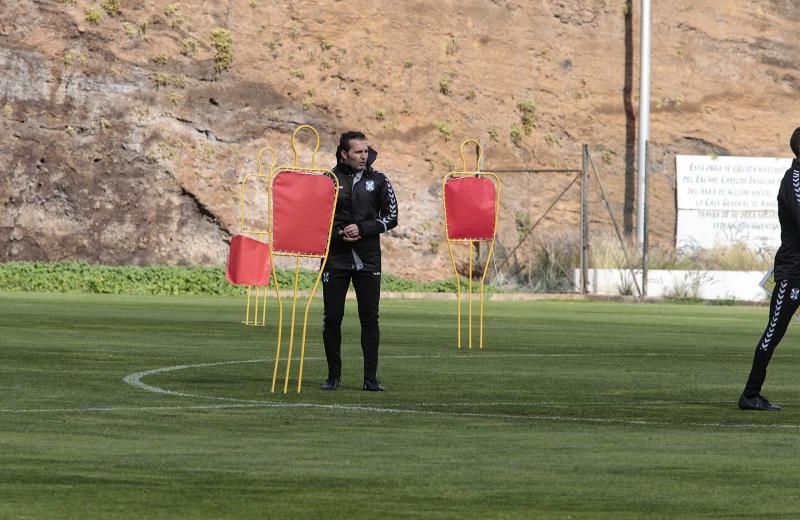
(786, 294)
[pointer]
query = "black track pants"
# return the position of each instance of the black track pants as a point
(784, 303)
(335, 284)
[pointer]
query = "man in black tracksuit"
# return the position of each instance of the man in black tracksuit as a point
(366, 207)
(786, 294)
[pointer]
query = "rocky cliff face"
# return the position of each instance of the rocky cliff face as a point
(128, 125)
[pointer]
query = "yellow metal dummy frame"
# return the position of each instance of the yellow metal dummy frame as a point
(471, 242)
(263, 233)
(311, 170)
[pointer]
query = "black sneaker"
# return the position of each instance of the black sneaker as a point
(331, 384)
(758, 402)
(373, 385)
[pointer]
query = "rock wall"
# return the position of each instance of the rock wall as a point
(125, 131)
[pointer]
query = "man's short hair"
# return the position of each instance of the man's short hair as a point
(344, 141)
(794, 142)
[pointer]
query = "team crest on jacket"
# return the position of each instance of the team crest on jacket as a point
(370, 185)
(794, 294)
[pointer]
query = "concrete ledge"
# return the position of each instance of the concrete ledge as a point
(738, 286)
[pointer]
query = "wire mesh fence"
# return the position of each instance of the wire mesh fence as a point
(538, 240)
(556, 224)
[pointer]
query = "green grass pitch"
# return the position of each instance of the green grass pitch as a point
(573, 410)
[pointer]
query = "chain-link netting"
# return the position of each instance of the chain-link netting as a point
(610, 233)
(538, 240)
(539, 244)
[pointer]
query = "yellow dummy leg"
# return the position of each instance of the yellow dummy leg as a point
(469, 246)
(256, 300)
(247, 309)
(458, 293)
(255, 310)
(483, 285)
(264, 311)
(305, 323)
(291, 329)
(280, 328)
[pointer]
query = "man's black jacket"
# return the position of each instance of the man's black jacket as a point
(787, 259)
(369, 202)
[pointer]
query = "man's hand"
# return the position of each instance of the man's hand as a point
(350, 233)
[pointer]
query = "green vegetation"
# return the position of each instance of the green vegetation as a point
(222, 42)
(162, 79)
(112, 7)
(189, 47)
(544, 273)
(572, 410)
(175, 98)
(522, 222)
(626, 8)
(444, 129)
(66, 277)
(176, 21)
(445, 85)
(135, 31)
(734, 257)
(452, 46)
(380, 114)
(527, 109)
(606, 252)
(515, 134)
(92, 15)
(162, 151)
(545, 264)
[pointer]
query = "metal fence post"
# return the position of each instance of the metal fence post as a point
(585, 221)
(479, 164)
(645, 232)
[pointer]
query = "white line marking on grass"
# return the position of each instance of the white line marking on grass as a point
(378, 409)
(640, 404)
(234, 403)
(135, 380)
(131, 408)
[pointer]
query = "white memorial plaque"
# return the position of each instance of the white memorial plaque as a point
(726, 200)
